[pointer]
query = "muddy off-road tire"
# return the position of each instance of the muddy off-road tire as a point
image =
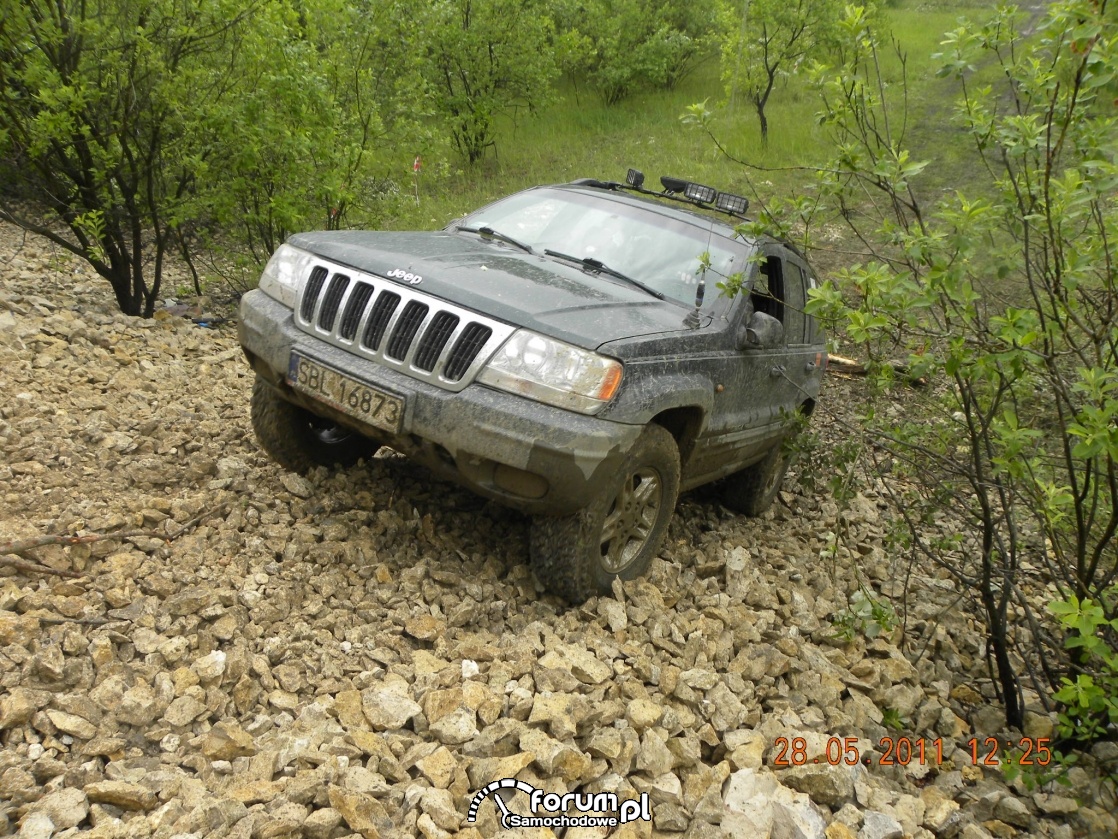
(753, 490)
(298, 440)
(618, 534)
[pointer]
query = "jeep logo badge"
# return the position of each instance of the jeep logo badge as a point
(401, 274)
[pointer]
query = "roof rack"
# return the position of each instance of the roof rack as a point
(678, 189)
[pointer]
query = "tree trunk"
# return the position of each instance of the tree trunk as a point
(1007, 676)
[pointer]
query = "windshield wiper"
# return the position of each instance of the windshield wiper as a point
(489, 233)
(597, 266)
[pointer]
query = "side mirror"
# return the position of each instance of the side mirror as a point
(764, 332)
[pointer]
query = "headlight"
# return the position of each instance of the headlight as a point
(285, 274)
(553, 372)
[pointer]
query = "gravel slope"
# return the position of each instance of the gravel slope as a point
(360, 653)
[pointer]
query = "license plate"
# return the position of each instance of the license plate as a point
(375, 407)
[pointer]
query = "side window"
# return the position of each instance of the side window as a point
(795, 324)
(768, 289)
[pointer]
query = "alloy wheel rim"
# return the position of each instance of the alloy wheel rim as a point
(631, 519)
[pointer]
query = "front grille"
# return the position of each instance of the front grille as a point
(438, 333)
(397, 326)
(331, 301)
(382, 313)
(464, 352)
(310, 293)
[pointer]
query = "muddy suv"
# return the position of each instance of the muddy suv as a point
(565, 351)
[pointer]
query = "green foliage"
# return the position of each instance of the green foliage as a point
(96, 102)
(482, 59)
(149, 126)
(1023, 437)
(1035, 776)
(1090, 699)
(318, 114)
(766, 41)
(633, 45)
(891, 719)
(866, 615)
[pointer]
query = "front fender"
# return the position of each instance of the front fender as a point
(645, 396)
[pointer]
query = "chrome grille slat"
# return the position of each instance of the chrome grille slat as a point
(436, 338)
(331, 301)
(397, 326)
(382, 316)
(354, 310)
(410, 320)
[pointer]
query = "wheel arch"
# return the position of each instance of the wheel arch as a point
(684, 424)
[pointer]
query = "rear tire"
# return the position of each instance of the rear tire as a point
(619, 532)
(753, 490)
(297, 439)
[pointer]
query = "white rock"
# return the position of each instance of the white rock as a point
(36, 826)
(877, 825)
(755, 804)
(387, 709)
(210, 667)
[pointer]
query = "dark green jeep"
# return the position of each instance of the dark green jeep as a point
(563, 351)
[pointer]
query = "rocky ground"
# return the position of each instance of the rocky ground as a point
(360, 653)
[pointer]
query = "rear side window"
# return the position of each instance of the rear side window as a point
(805, 282)
(796, 327)
(767, 295)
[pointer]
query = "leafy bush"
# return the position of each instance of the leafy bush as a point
(142, 124)
(1006, 300)
(1090, 699)
(630, 45)
(99, 113)
(1004, 297)
(483, 59)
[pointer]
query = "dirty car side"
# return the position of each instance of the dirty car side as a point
(555, 352)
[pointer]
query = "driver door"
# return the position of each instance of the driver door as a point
(755, 381)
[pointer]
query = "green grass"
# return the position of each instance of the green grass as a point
(578, 136)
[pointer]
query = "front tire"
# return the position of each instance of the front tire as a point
(297, 439)
(619, 532)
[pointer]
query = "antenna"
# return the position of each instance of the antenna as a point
(692, 319)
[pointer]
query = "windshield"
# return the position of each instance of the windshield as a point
(661, 252)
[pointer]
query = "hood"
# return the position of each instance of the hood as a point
(535, 292)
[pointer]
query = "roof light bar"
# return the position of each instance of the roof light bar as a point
(673, 185)
(682, 190)
(700, 193)
(735, 204)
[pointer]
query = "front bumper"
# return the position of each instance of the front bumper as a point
(524, 454)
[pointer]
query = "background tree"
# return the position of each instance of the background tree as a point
(1006, 300)
(96, 102)
(319, 114)
(632, 45)
(765, 40)
(483, 59)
